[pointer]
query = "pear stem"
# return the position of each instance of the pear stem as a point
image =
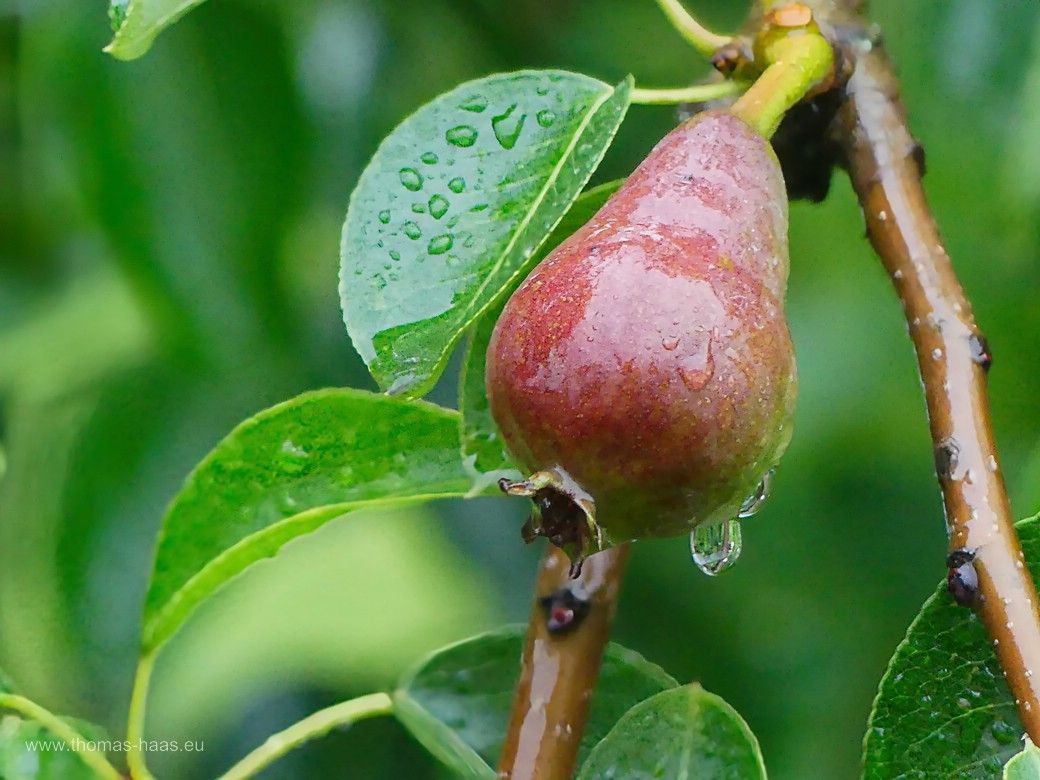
(559, 667)
(797, 63)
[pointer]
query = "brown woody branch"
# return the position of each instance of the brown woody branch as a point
(568, 631)
(885, 165)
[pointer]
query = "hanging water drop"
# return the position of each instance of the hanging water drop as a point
(753, 503)
(716, 546)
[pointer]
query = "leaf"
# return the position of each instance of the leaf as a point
(1024, 765)
(943, 708)
(286, 472)
(454, 205)
(137, 22)
(482, 448)
(456, 702)
(683, 732)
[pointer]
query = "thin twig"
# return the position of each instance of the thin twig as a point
(698, 93)
(560, 664)
(313, 726)
(885, 166)
(701, 38)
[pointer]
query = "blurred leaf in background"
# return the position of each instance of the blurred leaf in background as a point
(168, 253)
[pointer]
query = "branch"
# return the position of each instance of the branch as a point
(569, 628)
(885, 165)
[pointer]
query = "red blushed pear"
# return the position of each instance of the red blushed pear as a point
(644, 372)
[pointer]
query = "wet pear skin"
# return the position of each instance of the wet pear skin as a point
(648, 355)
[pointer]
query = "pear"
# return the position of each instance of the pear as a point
(644, 371)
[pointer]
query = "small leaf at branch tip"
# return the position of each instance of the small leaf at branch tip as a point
(141, 22)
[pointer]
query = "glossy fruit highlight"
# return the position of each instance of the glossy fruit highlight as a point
(644, 370)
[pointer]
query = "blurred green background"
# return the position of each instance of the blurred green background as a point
(168, 256)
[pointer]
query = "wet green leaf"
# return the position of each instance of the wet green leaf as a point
(286, 472)
(137, 22)
(684, 732)
(454, 205)
(456, 702)
(482, 448)
(1024, 765)
(943, 709)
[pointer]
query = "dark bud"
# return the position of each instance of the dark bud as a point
(805, 148)
(962, 581)
(729, 58)
(919, 158)
(946, 456)
(565, 608)
(980, 350)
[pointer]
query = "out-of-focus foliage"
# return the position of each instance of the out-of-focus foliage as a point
(169, 236)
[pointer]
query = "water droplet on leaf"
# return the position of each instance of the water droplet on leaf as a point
(457, 185)
(546, 118)
(476, 104)
(412, 230)
(507, 127)
(411, 179)
(440, 244)
(429, 158)
(438, 206)
(462, 135)
(384, 217)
